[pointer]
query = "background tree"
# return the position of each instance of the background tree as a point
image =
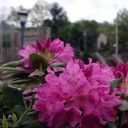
(13, 17)
(58, 20)
(77, 35)
(123, 28)
(77, 29)
(39, 13)
(91, 28)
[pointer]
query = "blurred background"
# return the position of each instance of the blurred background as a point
(96, 29)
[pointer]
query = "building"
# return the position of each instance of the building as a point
(102, 40)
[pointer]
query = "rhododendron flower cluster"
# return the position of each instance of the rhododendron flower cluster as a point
(51, 51)
(80, 96)
(61, 91)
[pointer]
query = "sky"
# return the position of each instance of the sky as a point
(99, 10)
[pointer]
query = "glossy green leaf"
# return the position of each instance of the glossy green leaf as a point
(22, 81)
(1, 90)
(66, 126)
(12, 94)
(0, 121)
(21, 111)
(115, 83)
(4, 122)
(33, 124)
(124, 106)
(10, 72)
(33, 113)
(17, 75)
(13, 64)
(17, 112)
(110, 125)
(9, 69)
(21, 118)
(38, 73)
(58, 64)
(36, 61)
(9, 104)
(1, 95)
(1, 83)
(25, 85)
(14, 118)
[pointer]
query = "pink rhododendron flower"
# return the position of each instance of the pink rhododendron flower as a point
(91, 121)
(96, 73)
(80, 96)
(26, 91)
(52, 51)
(121, 70)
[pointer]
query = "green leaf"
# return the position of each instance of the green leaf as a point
(66, 126)
(10, 72)
(1, 95)
(110, 125)
(124, 106)
(21, 118)
(13, 64)
(17, 112)
(38, 73)
(4, 122)
(115, 83)
(14, 118)
(9, 69)
(58, 64)
(21, 111)
(9, 104)
(36, 61)
(12, 94)
(22, 81)
(1, 90)
(33, 124)
(25, 85)
(17, 75)
(33, 113)
(1, 83)
(0, 121)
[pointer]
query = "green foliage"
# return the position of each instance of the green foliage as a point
(14, 118)
(123, 28)
(4, 122)
(37, 73)
(37, 61)
(65, 34)
(39, 13)
(124, 106)
(66, 126)
(15, 111)
(6, 36)
(13, 17)
(57, 64)
(58, 21)
(13, 64)
(22, 81)
(10, 94)
(115, 83)
(110, 125)
(18, 77)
